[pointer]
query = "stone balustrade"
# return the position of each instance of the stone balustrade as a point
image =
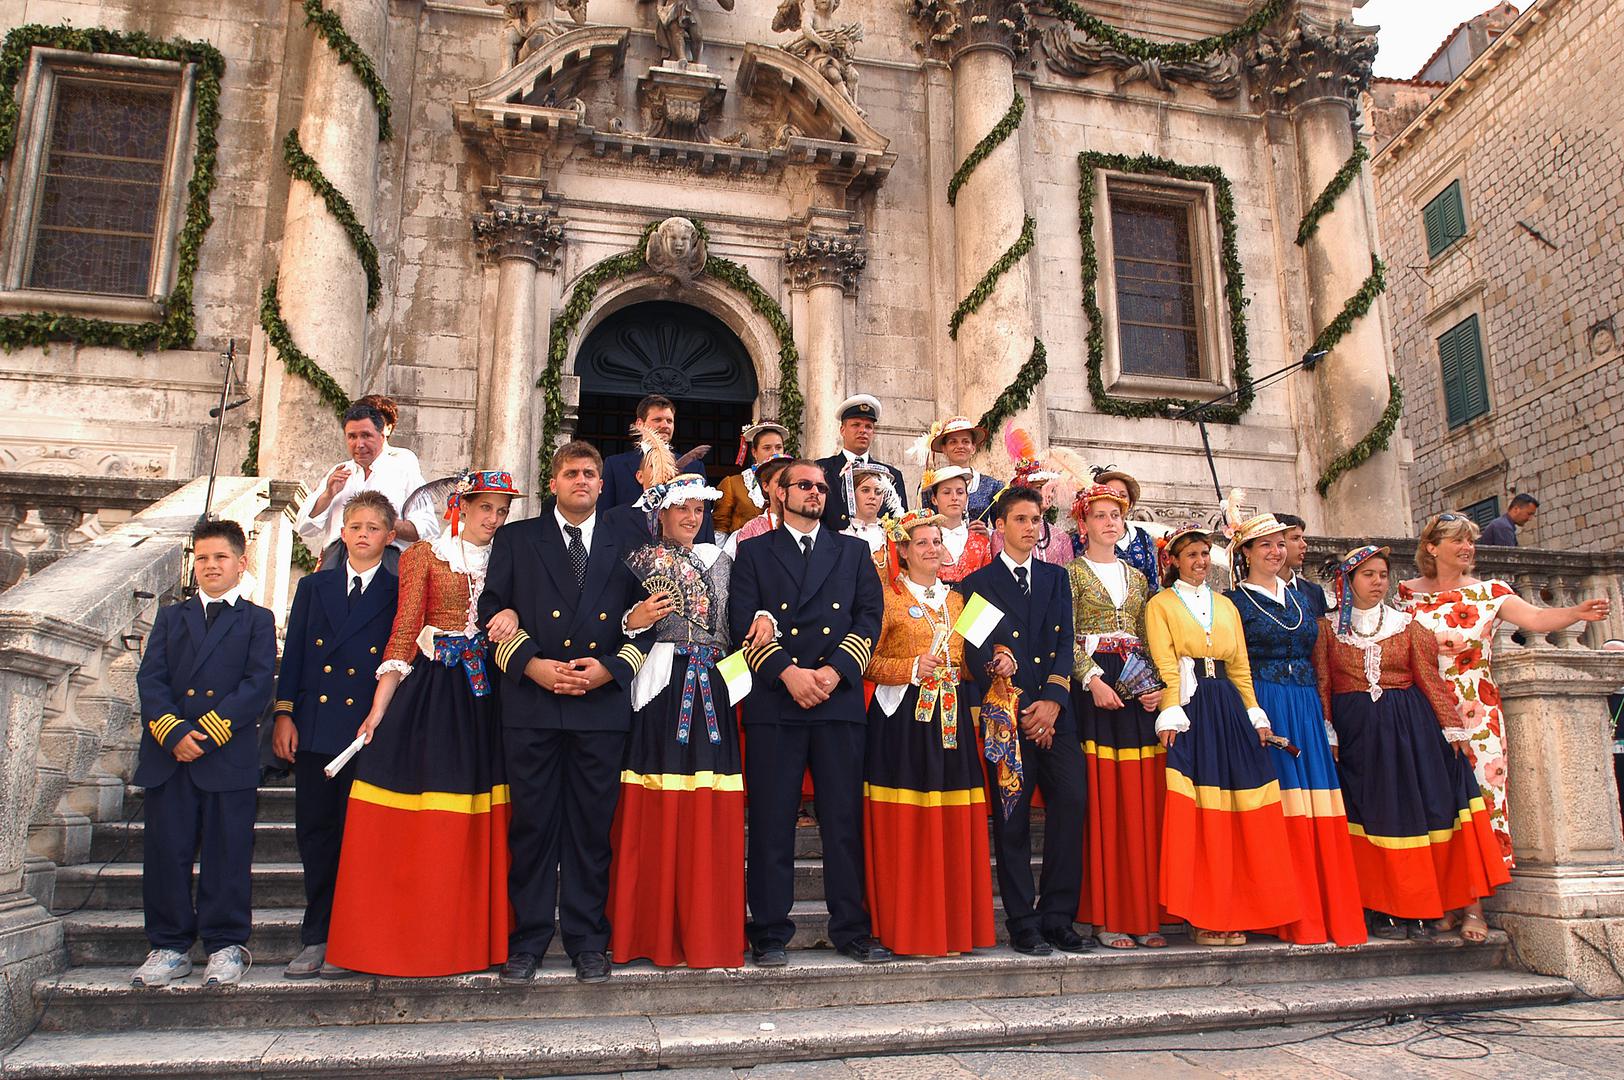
(43, 517)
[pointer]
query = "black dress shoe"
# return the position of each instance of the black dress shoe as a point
(591, 967)
(1066, 939)
(1029, 942)
(866, 950)
(520, 967)
(768, 955)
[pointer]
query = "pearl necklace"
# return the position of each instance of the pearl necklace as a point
(1248, 594)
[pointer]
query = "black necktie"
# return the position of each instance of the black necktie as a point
(1020, 579)
(211, 611)
(355, 589)
(577, 553)
(806, 546)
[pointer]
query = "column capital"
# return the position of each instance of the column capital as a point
(1304, 58)
(510, 230)
(952, 27)
(826, 258)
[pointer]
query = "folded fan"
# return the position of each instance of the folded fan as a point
(1139, 675)
(671, 570)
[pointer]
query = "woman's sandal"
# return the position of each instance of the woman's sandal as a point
(1235, 939)
(1151, 941)
(1209, 938)
(1450, 921)
(1388, 928)
(1113, 940)
(1474, 929)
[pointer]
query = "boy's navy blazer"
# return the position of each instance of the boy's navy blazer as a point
(1037, 630)
(331, 654)
(212, 680)
(1312, 596)
(828, 610)
(530, 573)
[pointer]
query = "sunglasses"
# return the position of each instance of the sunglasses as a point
(1446, 516)
(810, 485)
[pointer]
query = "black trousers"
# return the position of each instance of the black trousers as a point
(216, 828)
(564, 786)
(775, 758)
(318, 826)
(1061, 773)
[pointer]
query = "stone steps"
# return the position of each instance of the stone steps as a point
(602, 1043)
(101, 998)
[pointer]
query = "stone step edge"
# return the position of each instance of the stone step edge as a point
(484, 1048)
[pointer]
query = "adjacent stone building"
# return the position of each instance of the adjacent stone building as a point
(1502, 215)
(446, 201)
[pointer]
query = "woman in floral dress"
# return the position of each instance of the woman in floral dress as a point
(1463, 612)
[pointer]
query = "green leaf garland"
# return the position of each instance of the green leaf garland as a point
(301, 166)
(331, 30)
(1174, 52)
(176, 327)
(1001, 131)
(1006, 261)
(1376, 440)
(1018, 394)
(1344, 178)
(1229, 260)
(295, 359)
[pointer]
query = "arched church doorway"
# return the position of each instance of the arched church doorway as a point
(662, 347)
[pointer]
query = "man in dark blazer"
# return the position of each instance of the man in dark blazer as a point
(204, 680)
(565, 711)
(337, 631)
(858, 415)
(1032, 643)
(1309, 592)
(621, 487)
(806, 603)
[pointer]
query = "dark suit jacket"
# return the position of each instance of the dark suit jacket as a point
(215, 681)
(559, 620)
(1312, 596)
(1502, 532)
(828, 610)
(620, 487)
(1036, 629)
(836, 514)
(331, 654)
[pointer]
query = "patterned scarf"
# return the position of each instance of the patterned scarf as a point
(1002, 745)
(701, 658)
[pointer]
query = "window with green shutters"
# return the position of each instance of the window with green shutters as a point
(1460, 359)
(1445, 219)
(1483, 511)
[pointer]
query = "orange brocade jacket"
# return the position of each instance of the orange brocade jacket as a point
(1407, 659)
(431, 594)
(904, 638)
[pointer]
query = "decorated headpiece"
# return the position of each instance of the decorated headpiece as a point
(932, 477)
(940, 432)
(1241, 533)
(897, 531)
(659, 465)
(679, 489)
(1094, 493)
(473, 482)
(1167, 547)
(1343, 574)
(1104, 474)
(748, 435)
(856, 472)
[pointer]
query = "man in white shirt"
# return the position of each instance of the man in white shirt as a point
(395, 476)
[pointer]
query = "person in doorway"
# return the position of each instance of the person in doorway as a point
(621, 487)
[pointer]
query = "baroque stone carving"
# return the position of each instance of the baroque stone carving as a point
(821, 42)
(1072, 52)
(826, 259)
(1308, 58)
(678, 31)
(676, 250)
(951, 25)
(681, 101)
(531, 24)
(516, 231)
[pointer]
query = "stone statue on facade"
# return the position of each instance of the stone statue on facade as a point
(820, 41)
(678, 33)
(531, 23)
(676, 250)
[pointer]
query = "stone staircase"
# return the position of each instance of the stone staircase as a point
(820, 1006)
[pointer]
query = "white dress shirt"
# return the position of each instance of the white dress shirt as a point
(586, 528)
(230, 596)
(394, 475)
(797, 535)
(366, 576)
(1012, 564)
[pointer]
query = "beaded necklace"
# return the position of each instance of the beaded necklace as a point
(1248, 594)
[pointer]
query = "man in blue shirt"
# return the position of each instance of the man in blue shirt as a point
(1502, 531)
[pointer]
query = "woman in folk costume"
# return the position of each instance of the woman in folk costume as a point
(924, 794)
(1137, 547)
(1224, 838)
(676, 886)
(871, 495)
(773, 514)
(957, 440)
(1423, 839)
(422, 875)
(1058, 474)
(1127, 779)
(742, 495)
(1280, 637)
(1464, 612)
(966, 545)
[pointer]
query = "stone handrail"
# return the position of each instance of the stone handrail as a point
(62, 504)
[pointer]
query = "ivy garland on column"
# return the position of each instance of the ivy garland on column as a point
(176, 328)
(616, 267)
(1229, 260)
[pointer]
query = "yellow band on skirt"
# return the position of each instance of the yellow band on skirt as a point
(449, 802)
(909, 797)
(1122, 753)
(1232, 802)
(1312, 802)
(1434, 836)
(699, 781)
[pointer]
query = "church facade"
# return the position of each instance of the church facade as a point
(518, 218)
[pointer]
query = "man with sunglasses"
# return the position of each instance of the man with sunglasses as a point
(858, 415)
(805, 604)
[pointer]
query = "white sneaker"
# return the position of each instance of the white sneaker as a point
(162, 967)
(226, 966)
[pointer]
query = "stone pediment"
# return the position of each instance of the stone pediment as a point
(542, 95)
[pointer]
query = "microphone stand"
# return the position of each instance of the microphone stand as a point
(228, 360)
(1200, 410)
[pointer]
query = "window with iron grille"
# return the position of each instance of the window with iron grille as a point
(1156, 299)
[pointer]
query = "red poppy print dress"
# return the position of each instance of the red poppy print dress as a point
(1463, 620)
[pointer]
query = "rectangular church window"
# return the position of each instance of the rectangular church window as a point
(1157, 310)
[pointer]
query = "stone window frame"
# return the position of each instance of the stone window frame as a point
(36, 97)
(1451, 171)
(1214, 344)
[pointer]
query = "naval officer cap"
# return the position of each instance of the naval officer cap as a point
(860, 407)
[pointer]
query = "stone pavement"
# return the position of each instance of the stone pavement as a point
(1578, 1041)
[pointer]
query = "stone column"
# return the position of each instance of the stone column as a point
(982, 39)
(1314, 70)
(322, 288)
(1564, 907)
(522, 241)
(824, 265)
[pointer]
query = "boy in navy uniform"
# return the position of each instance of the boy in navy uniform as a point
(1032, 644)
(337, 630)
(204, 681)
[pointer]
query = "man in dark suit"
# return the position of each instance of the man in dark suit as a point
(1032, 644)
(806, 603)
(337, 631)
(621, 487)
(565, 712)
(858, 415)
(204, 681)
(1309, 592)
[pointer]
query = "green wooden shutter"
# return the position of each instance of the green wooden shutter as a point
(1483, 511)
(1444, 219)
(1460, 363)
(1449, 369)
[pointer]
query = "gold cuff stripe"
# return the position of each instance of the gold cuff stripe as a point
(504, 652)
(216, 726)
(858, 648)
(163, 727)
(633, 656)
(757, 657)
(1061, 680)
(283, 706)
